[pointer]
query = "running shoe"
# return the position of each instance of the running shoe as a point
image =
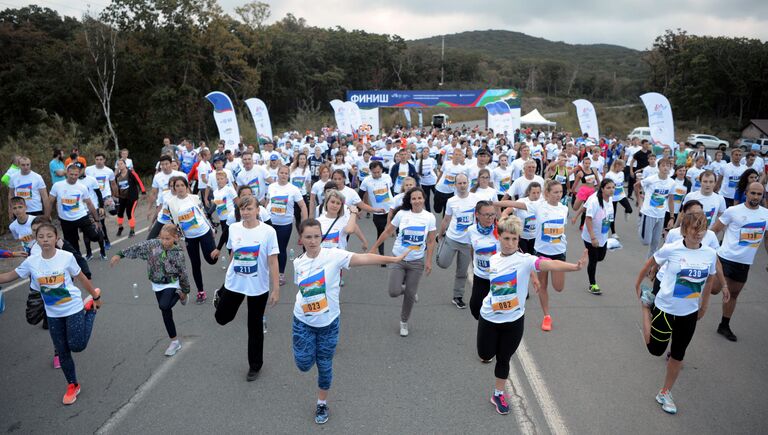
(403, 329)
(119, 231)
(56, 362)
(216, 298)
(89, 257)
(666, 401)
(282, 279)
(416, 298)
(103, 257)
(88, 304)
(252, 375)
(174, 347)
(546, 324)
(725, 331)
(616, 236)
(107, 246)
(71, 395)
(263, 324)
(646, 296)
(201, 297)
(486, 361)
(321, 413)
(459, 302)
(500, 403)
(184, 300)
(131, 233)
(594, 289)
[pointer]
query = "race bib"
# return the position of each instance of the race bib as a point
(24, 191)
(245, 260)
(188, 220)
(278, 205)
(313, 298)
(464, 220)
(71, 204)
(751, 234)
(689, 280)
(412, 238)
(504, 293)
(560, 179)
(483, 257)
(553, 231)
(52, 289)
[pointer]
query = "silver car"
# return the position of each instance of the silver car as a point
(709, 141)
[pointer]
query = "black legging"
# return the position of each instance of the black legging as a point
(166, 299)
(229, 303)
(283, 237)
(631, 184)
(206, 244)
(667, 327)
(297, 211)
(500, 340)
(69, 230)
(224, 235)
(440, 200)
(595, 255)
(428, 191)
(380, 222)
(627, 209)
(126, 207)
(155, 230)
(480, 288)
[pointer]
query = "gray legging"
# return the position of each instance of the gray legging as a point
(408, 272)
(445, 253)
(649, 229)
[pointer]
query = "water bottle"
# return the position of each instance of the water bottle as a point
(135, 290)
(2, 307)
(264, 324)
(291, 255)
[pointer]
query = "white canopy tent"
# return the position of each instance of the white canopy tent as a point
(535, 118)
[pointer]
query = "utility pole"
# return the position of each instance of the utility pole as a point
(442, 61)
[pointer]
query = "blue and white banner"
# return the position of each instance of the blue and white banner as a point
(260, 116)
(585, 111)
(427, 98)
(407, 114)
(371, 118)
(660, 118)
(495, 117)
(226, 121)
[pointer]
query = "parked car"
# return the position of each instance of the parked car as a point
(709, 141)
(440, 120)
(640, 133)
(747, 143)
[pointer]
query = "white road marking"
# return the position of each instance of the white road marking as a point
(26, 281)
(117, 417)
(546, 402)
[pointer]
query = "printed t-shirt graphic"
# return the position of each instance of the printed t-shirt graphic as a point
(313, 293)
(24, 191)
(465, 219)
(483, 256)
(246, 260)
(221, 207)
(690, 279)
(53, 290)
(71, 203)
(552, 231)
(278, 204)
(413, 237)
(751, 234)
(331, 240)
(381, 195)
(188, 220)
(504, 292)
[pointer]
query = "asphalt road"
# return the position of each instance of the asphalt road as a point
(591, 374)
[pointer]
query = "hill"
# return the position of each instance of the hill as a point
(516, 46)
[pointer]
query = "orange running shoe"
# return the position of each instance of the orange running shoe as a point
(546, 324)
(72, 391)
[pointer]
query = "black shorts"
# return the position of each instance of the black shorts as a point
(560, 257)
(734, 271)
(526, 245)
(666, 328)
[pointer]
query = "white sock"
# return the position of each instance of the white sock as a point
(322, 402)
(497, 392)
(177, 341)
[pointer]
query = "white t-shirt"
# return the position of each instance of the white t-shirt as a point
(601, 219)
(337, 237)
(164, 214)
(281, 202)
(70, 200)
(745, 229)
(693, 175)
(350, 196)
(204, 168)
(28, 187)
(223, 199)
(160, 182)
(685, 274)
(509, 276)
(378, 190)
(521, 185)
(413, 230)
(484, 246)
(234, 166)
(53, 279)
(618, 181)
(248, 272)
(517, 167)
(188, 213)
(710, 239)
(550, 227)
(656, 193)
(302, 179)
(648, 172)
(462, 213)
(486, 194)
(255, 178)
(678, 194)
(103, 177)
(401, 172)
(713, 204)
(427, 174)
(23, 232)
(528, 218)
(502, 179)
(92, 185)
(731, 175)
(317, 301)
(388, 155)
(447, 181)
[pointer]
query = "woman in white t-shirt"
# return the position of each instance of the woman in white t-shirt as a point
(318, 187)
(317, 310)
(397, 201)
(340, 164)
(301, 177)
(336, 223)
(597, 225)
(682, 297)
(484, 190)
(70, 319)
(251, 274)
(224, 203)
(616, 174)
(425, 167)
(528, 218)
(500, 326)
(502, 176)
(416, 228)
(186, 211)
(485, 243)
(204, 180)
(281, 197)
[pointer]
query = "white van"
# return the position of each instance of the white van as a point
(641, 133)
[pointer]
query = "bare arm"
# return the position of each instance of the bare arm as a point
(563, 266)
(274, 278)
(651, 262)
(9, 276)
(388, 231)
(374, 259)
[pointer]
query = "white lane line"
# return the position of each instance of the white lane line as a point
(26, 281)
(519, 402)
(548, 406)
(117, 417)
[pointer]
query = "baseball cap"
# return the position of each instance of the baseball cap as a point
(273, 157)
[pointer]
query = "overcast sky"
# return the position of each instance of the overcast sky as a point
(631, 23)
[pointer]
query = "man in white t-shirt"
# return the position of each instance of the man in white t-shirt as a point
(105, 177)
(729, 178)
(657, 200)
(159, 186)
(377, 188)
(745, 227)
(520, 185)
(253, 175)
(29, 185)
(73, 205)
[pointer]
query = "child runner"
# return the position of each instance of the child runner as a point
(616, 174)
(281, 197)
(316, 311)
(597, 225)
(167, 273)
(70, 319)
(223, 199)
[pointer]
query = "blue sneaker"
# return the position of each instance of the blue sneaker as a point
(321, 413)
(500, 403)
(666, 402)
(107, 246)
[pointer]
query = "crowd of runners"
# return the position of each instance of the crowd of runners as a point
(460, 198)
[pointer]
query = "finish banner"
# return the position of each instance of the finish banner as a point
(660, 118)
(470, 98)
(585, 111)
(226, 121)
(260, 117)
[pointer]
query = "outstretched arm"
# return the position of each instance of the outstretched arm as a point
(374, 259)
(563, 266)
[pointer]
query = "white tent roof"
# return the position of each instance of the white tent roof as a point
(535, 118)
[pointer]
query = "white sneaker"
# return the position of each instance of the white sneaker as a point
(616, 236)
(416, 298)
(666, 402)
(403, 329)
(174, 347)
